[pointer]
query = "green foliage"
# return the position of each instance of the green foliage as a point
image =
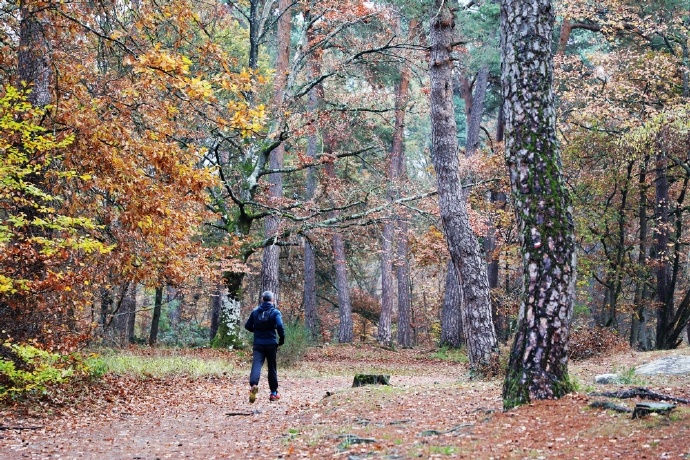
(185, 335)
(627, 376)
(27, 370)
(225, 339)
(297, 342)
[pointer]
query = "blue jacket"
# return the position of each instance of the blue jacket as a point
(266, 337)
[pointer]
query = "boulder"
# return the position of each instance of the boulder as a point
(670, 365)
(608, 379)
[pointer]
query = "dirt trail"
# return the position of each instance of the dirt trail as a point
(431, 410)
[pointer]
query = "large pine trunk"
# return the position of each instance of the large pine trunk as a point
(462, 243)
(538, 366)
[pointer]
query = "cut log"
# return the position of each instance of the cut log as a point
(642, 409)
(371, 379)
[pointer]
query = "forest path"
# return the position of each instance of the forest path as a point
(431, 410)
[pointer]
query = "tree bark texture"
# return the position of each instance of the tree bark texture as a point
(346, 328)
(270, 268)
(130, 312)
(345, 332)
(398, 177)
(402, 273)
(638, 326)
(538, 366)
(451, 320)
(462, 243)
(311, 318)
(155, 319)
(474, 121)
(34, 65)
(215, 312)
(661, 242)
(387, 297)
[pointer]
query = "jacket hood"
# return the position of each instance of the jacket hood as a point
(265, 306)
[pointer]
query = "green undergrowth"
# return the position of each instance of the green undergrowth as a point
(122, 363)
(457, 355)
(28, 371)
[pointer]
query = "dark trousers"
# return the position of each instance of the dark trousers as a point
(265, 353)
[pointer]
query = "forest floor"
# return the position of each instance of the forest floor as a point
(432, 409)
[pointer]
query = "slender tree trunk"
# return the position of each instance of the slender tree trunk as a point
(254, 31)
(538, 366)
(474, 121)
(270, 268)
(215, 312)
(346, 329)
(345, 333)
(661, 246)
(564, 36)
(451, 320)
(462, 243)
(155, 320)
(130, 312)
(311, 318)
(106, 305)
(638, 327)
(402, 272)
(402, 265)
(175, 310)
(387, 298)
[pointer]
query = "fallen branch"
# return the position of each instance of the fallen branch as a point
(609, 406)
(19, 428)
(640, 392)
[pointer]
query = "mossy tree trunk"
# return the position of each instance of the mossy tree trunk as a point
(228, 335)
(462, 243)
(538, 366)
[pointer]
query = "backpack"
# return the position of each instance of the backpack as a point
(264, 320)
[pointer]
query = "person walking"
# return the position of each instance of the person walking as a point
(264, 321)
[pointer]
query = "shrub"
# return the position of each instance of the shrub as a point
(588, 342)
(297, 342)
(26, 370)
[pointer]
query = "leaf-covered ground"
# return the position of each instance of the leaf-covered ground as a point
(433, 409)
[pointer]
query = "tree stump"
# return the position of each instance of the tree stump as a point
(642, 409)
(371, 379)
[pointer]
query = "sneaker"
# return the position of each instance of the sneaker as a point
(252, 393)
(274, 396)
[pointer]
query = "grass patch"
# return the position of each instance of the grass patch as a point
(627, 376)
(457, 355)
(160, 366)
